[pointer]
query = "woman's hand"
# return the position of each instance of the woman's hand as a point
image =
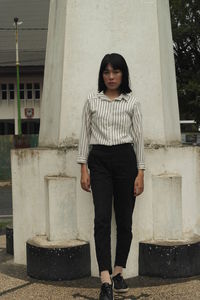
(85, 178)
(139, 183)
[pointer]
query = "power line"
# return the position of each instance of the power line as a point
(23, 50)
(12, 29)
(22, 61)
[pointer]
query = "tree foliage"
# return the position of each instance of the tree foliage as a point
(185, 18)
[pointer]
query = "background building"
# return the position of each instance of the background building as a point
(32, 47)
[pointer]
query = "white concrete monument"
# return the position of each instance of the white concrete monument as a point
(46, 180)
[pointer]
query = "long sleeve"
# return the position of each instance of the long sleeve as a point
(84, 140)
(137, 132)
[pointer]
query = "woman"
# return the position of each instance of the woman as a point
(112, 131)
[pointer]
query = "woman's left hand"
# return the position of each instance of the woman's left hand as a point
(139, 183)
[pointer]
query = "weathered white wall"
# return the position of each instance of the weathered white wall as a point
(80, 34)
(29, 197)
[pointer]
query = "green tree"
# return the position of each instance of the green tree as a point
(185, 18)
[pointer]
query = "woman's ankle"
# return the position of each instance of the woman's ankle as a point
(117, 270)
(105, 277)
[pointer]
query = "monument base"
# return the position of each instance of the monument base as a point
(169, 259)
(64, 260)
(35, 187)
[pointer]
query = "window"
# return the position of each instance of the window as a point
(4, 91)
(37, 91)
(6, 127)
(21, 88)
(1, 128)
(11, 91)
(30, 126)
(10, 127)
(29, 91)
(7, 91)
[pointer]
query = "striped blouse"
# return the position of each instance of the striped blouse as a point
(111, 122)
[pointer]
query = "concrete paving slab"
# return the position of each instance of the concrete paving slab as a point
(15, 284)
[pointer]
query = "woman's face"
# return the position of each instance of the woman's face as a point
(112, 77)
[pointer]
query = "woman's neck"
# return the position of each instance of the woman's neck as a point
(112, 93)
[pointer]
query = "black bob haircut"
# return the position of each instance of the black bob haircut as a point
(117, 62)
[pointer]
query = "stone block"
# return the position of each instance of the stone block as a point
(61, 220)
(167, 206)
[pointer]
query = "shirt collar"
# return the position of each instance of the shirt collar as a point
(119, 98)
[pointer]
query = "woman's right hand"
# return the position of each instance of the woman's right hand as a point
(85, 178)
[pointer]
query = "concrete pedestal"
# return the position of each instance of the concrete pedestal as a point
(169, 259)
(48, 162)
(65, 260)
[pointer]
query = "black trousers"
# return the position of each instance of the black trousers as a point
(113, 170)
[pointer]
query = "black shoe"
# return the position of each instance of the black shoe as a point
(119, 284)
(106, 291)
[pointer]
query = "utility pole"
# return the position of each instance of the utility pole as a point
(16, 23)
